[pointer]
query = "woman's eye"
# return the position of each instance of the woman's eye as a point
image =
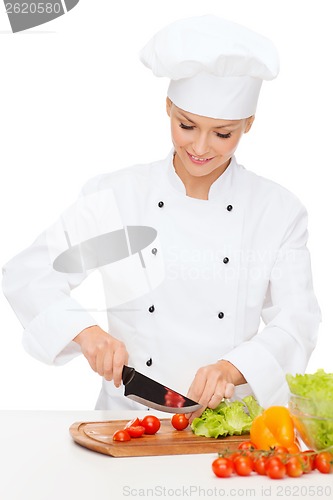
(223, 136)
(186, 127)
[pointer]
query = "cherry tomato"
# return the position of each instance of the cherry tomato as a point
(306, 461)
(259, 465)
(223, 467)
(121, 435)
(294, 467)
(151, 424)
(324, 462)
(281, 452)
(311, 455)
(275, 468)
(243, 465)
(235, 455)
(247, 445)
(135, 431)
(179, 421)
(135, 422)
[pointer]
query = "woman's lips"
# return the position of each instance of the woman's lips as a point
(197, 160)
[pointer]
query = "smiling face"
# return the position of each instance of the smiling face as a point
(203, 146)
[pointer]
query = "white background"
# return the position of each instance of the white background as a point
(75, 101)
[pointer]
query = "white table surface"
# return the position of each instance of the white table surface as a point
(40, 461)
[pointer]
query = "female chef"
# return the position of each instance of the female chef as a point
(212, 248)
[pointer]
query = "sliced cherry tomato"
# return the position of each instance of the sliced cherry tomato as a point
(134, 422)
(243, 465)
(294, 466)
(121, 435)
(324, 462)
(275, 468)
(136, 431)
(151, 424)
(223, 467)
(259, 465)
(179, 421)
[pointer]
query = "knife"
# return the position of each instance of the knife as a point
(148, 392)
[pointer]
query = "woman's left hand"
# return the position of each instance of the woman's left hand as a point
(212, 383)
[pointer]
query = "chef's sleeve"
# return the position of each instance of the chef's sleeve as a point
(291, 318)
(40, 295)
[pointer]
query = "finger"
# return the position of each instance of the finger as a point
(195, 414)
(229, 390)
(215, 400)
(120, 358)
(100, 363)
(212, 394)
(108, 366)
(197, 387)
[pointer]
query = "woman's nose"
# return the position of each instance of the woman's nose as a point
(200, 145)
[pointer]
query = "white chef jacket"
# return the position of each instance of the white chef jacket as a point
(228, 262)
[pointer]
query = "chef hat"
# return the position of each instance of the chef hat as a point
(216, 67)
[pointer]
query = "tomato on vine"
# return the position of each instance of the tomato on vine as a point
(324, 462)
(243, 465)
(275, 468)
(223, 467)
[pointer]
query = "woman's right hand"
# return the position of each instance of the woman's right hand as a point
(105, 354)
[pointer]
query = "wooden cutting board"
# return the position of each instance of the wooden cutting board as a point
(97, 436)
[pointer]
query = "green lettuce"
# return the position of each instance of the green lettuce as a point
(317, 389)
(315, 411)
(227, 419)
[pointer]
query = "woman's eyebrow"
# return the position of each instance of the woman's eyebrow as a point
(186, 117)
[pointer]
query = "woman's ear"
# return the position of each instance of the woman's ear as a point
(168, 105)
(249, 123)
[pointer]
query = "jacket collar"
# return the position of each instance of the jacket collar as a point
(220, 189)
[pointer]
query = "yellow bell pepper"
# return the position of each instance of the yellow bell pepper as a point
(274, 427)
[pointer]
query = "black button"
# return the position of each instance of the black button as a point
(220, 315)
(161, 204)
(229, 208)
(151, 309)
(154, 251)
(225, 260)
(149, 362)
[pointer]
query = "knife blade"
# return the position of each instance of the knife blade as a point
(148, 392)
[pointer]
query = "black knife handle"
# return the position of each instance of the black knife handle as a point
(128, 374)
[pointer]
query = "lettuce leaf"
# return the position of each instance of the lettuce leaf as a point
(227, 418)
(315, 411)
(318, 387)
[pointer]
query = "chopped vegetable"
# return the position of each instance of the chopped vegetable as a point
(274, 427)
(227, 419)
(135, 431)
(121, 435)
